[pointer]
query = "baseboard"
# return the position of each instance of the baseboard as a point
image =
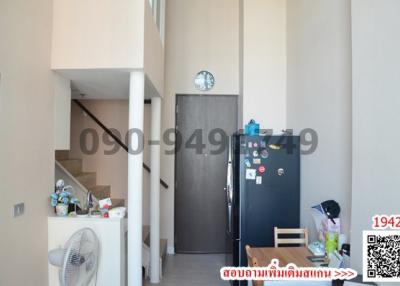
(170, 250)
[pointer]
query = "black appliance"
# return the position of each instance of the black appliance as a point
(263, 191)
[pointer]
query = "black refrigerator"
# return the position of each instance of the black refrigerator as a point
(263, 191)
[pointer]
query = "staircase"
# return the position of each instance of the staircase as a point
(87, 179)
(146, 250)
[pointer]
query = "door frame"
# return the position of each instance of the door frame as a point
(236, 96)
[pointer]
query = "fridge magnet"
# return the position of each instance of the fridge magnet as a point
(250, 174)
(261, 169)
(255, 153)
(256, 161)
(250, 144)
(264, 153)
(247, 163)
(258, 180)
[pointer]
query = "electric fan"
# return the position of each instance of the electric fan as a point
(78, 261)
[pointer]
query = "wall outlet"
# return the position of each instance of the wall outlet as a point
(19, 209)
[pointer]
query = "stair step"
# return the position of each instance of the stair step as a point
(62, 155)
(146, 240)
(74, 166)
(87, 179)
(101, 192)
(145, 233)
(163, 248)
(117, 203)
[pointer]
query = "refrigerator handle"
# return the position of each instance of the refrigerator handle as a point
(228, 188)
(230, 218)
(229, 178)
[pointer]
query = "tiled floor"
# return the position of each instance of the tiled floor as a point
(192, 270)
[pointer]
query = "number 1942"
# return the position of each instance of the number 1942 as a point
(386, 221)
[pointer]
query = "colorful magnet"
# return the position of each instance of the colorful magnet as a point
(255, 145)
(250, 145)
(250, 174)
(263, 144)
(258, 180)
(256, 161)
(255, 153)
(264, 153)
(247, 163)
(275, 146)
(261, 169)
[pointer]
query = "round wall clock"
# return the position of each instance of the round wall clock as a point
(204, 81)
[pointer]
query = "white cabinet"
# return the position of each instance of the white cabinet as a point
(111, 233)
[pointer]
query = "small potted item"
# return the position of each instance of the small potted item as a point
(82, 213)
(104, 206)
(62, 210)
(95, 214)
(62, 198)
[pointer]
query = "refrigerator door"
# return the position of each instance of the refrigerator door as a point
(269, 196)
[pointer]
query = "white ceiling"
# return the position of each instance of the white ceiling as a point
(103, 83)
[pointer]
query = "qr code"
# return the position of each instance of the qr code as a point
(381, 256)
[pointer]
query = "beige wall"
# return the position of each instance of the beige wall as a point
(98, 34)
(111, 169)
(153, 59)
(319, 97)
(264, 62)
(27, 139)
(376, 105)
(200, 34)
(62, 112)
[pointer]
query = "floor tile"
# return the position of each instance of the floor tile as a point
(192, 270)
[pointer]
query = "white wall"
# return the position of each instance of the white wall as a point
(98, 34)
(376, 105)
(153, 57)
(264, 62)
(200, 34)
(27, 139)
(62, 112)
(319, 97)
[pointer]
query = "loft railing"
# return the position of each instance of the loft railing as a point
(109, 132)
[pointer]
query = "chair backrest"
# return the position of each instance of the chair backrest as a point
(252, 262)
(302, 232)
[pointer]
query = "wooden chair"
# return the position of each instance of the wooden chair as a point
(252, 262)
(291, 231)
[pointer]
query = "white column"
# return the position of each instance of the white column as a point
(155, 190)
(135, 179)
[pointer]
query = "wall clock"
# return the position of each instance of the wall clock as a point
(204, 81)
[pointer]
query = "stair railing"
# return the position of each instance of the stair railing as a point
(112, 135)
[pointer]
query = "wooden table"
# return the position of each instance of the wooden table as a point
(285, 255)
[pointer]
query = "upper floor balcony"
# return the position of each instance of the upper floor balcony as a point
(96, 43)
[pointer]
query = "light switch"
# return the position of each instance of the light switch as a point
(19, 209)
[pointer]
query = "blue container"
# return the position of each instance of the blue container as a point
(252, 128)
